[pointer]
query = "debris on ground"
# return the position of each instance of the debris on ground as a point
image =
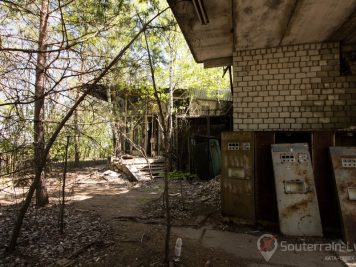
(110, 219)
(210, 191)
(86, 237)
(102, 176)
(110, 173)
(189, 199)
(41, 244)
(112, 222)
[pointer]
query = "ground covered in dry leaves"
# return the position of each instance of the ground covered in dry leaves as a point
(110, 221)
(188, 199)
(97, 231)
(41, 242)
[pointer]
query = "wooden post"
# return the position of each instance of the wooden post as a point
(125, 120)
(152, 141)
(64, 186)
(131, 134)
(144, 133)
(159, 132)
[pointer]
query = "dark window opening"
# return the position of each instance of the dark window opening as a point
(345, 138)
(294, 137)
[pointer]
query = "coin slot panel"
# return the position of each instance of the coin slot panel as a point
(302, 157)
(295, 187)
(233, 146)
(348, 162)
(287, 157)
(351, 191)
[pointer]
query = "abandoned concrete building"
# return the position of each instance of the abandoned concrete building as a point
(289, 160)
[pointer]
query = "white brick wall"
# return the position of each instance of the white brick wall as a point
(297, 87)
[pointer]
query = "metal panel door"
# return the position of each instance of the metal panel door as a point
(296, 196)
(237, 183)
(344, 165)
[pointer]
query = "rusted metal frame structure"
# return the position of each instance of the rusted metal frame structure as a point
(265, 203)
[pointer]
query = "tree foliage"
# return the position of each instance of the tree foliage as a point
(83, 37)
(54, 52)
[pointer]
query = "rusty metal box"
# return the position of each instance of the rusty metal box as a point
(344, 166)
(297, 202)
(237, 183)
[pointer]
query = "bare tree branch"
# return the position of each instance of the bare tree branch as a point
(53, 138)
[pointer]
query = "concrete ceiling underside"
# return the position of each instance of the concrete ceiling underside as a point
(252, 24)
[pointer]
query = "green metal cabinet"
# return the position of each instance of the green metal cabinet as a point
(205, 157)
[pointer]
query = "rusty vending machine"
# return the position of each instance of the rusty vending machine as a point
(344, 165)
(298, 208)
(237, 183)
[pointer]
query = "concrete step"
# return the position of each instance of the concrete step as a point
(142, 161)
(153, 172)
(153, 166)
(138, 168)
(152, 169)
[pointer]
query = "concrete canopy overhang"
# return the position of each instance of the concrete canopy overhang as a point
(252, 24)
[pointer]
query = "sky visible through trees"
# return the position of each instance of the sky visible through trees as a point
(55, 53)
(83, 36)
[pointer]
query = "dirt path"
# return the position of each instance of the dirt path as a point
(138, 229)
(139, 236)
(128, 221)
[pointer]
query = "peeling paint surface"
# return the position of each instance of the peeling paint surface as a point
(344, 166)
(237, 183)
(296, 195)
(236, 25)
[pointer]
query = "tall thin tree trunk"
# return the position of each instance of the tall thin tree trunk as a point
(166, 199)
(170, 109)
(125, 120)
(76, 117)
(145, 127)
(166, 143)
(38, 126)
(117, 125)
(114, 123)
(168, 153)
(76, 136)
(26, 203)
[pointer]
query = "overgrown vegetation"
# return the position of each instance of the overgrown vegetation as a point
(55, 54)
(180, 175)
